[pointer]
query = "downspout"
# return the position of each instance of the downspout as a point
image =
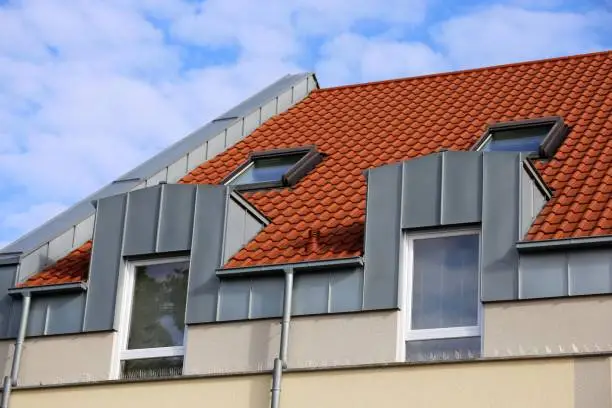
(11, 381)
(280, 362)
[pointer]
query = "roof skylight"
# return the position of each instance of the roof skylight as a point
(540, 137)
(274, 168)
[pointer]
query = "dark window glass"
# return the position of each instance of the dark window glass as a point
(152, 368)
(158, 307)
(527, 139)
(267, 169)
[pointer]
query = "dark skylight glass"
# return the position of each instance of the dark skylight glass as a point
(266, 169)
(526, 139)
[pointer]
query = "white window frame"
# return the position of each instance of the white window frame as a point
(240, 173)
(125, 318)
(485, 141)
(440, 333)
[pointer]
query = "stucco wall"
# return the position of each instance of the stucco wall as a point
(564, 325)
(345, 339)
(537, 383)
(62, 359)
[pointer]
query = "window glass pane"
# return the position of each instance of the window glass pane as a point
(445, 282)
(518, 140)
(152, 368)
(158, 307)
(267, 169)
(443, 349)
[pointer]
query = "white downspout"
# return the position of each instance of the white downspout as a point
(280, 362)
(11, 381)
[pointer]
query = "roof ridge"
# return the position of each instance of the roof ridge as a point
(463, 71)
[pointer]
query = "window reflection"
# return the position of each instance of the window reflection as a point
(158, 309)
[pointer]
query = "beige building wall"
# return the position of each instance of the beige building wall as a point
(6, 353)
(332, 340)
(62, 359)
(536, 383)
(553, 326)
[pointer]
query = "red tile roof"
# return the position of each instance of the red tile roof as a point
(71, 268)
(368, 125)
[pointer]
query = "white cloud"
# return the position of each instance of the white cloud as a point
(354, 58)
(501, 34)
(219, 22)
(89, 91)
(33, 216)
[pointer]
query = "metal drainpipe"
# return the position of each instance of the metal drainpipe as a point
(281, 361)
(11, 381)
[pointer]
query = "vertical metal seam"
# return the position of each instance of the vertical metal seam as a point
(567, 273)
(250, 300)
(46, 322)
(610, 271)
(74, 235)
(125, 219)
(329, 291)
(186, 169)
(244, 230)
(400, 197)
(205, 152)
(96, 218)
(480, 186)
(365, 242)
(441, 185)
(193, 219)
(222, 247)
(259, 118)
(160, 202)
(121, 265)
(520, 197)
(519, 203)
(224, 226)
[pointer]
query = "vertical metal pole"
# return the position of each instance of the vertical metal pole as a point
(6, 391)
(287, 299)
(23, 326)
(281, 361)
(10, 381)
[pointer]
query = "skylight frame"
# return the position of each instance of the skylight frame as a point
(549, 145)
(311, 157)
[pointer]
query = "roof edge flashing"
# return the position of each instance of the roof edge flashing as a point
(241, 201)
(563, 244)
(10, 258)
(48, 289)
(533, 173)
(262, 270)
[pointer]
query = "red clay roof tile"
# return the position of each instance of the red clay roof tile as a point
(71, 268)
(367, 125)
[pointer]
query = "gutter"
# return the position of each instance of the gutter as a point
(279, 268)
(280, 363)
(561, 244)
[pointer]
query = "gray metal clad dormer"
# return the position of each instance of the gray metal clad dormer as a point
(162, 221)
(445, 190)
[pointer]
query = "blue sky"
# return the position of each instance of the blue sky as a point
(89, 91)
